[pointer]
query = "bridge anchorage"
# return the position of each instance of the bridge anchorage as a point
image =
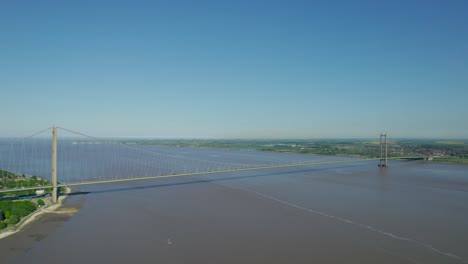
(383, 151)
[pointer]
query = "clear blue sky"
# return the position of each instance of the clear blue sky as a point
(235, 69)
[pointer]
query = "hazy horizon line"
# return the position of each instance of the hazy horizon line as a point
(240, 138)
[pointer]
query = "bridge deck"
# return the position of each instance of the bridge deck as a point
(204, 172)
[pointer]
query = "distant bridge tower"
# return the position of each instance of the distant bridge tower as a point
(383, 150)
(54, 165)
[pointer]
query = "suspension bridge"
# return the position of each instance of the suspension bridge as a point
(74, 159)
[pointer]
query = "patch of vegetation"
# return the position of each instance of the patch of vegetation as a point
(448, 142)
(12, 220)
(40, 202)
(14, 211)
(10, 180)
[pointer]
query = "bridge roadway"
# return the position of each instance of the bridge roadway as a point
(204, 172)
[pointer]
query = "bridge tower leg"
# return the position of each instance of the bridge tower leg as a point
(54, 165)
(383, 150)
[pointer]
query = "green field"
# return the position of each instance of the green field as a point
(451, 142)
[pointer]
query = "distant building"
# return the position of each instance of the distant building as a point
(40, 192)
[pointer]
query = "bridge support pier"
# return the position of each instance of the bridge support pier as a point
(54, 165)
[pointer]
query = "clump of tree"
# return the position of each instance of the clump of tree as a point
(14, 211)
(12, 220)
(40, 202)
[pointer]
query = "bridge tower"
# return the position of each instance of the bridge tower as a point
(54, 165)
(383, 150)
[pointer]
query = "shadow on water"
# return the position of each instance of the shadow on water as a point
(124, 189)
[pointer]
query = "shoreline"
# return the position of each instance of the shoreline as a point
(31, 218)
(38, 226)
